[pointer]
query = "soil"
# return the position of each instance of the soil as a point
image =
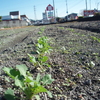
(75, 59)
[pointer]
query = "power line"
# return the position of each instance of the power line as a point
(72, 6)
(76, 4)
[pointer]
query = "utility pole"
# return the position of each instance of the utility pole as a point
(54, 10)
(67, 9)
(90, 4)
(86, 4)
(56, 13)
(97, 5)
(35, 13)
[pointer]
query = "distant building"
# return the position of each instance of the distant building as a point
(25, 18)
(14, 19)
(71, 16)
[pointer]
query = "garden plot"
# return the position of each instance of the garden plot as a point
(73, 62)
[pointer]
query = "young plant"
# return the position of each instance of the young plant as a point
(70, 29)
(25, 82)
(95, 38)
(42, 47)
(41, 30)
(61, 27)
(40, 61)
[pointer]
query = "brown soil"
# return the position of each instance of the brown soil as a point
(75, 59)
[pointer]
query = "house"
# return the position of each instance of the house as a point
(14, 19)
(71, 16)
(25, 18)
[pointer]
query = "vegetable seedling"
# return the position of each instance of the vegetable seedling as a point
(25, 82)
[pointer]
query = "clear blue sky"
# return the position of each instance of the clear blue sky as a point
(27, 7)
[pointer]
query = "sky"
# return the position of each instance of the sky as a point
(27, 7)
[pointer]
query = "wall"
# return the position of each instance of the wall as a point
(13, 23)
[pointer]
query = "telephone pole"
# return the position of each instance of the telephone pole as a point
(35, 13)
(90, 4)
(54, 10)
(86, 4)
(67, 9)
(56, 13)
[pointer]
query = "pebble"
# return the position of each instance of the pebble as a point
(1, 89)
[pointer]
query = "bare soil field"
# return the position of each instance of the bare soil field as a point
(74, 60)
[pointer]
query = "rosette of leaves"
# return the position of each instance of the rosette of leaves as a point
(27, 85)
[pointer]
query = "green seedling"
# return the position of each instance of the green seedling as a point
(95, 38)
(42, 29)
(91, 64)
(63, 50)
(69, 83)
(61, 27)
(39, 32)
(69, 29)
(79, 75)
(24, 81)
(40, 61)
(43, 45)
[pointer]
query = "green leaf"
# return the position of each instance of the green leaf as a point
(32, 59)
(22, 69)
(39, 45)
(39, 89)
(38, 77)
(19, 83)
(44, 59)
(11, 72)
(29, 79)
(37, 97)
(47, 79)
(49, 94)
(9, 94)
(47, 64)
(7, 79)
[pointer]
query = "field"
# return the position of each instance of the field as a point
(74, 58)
